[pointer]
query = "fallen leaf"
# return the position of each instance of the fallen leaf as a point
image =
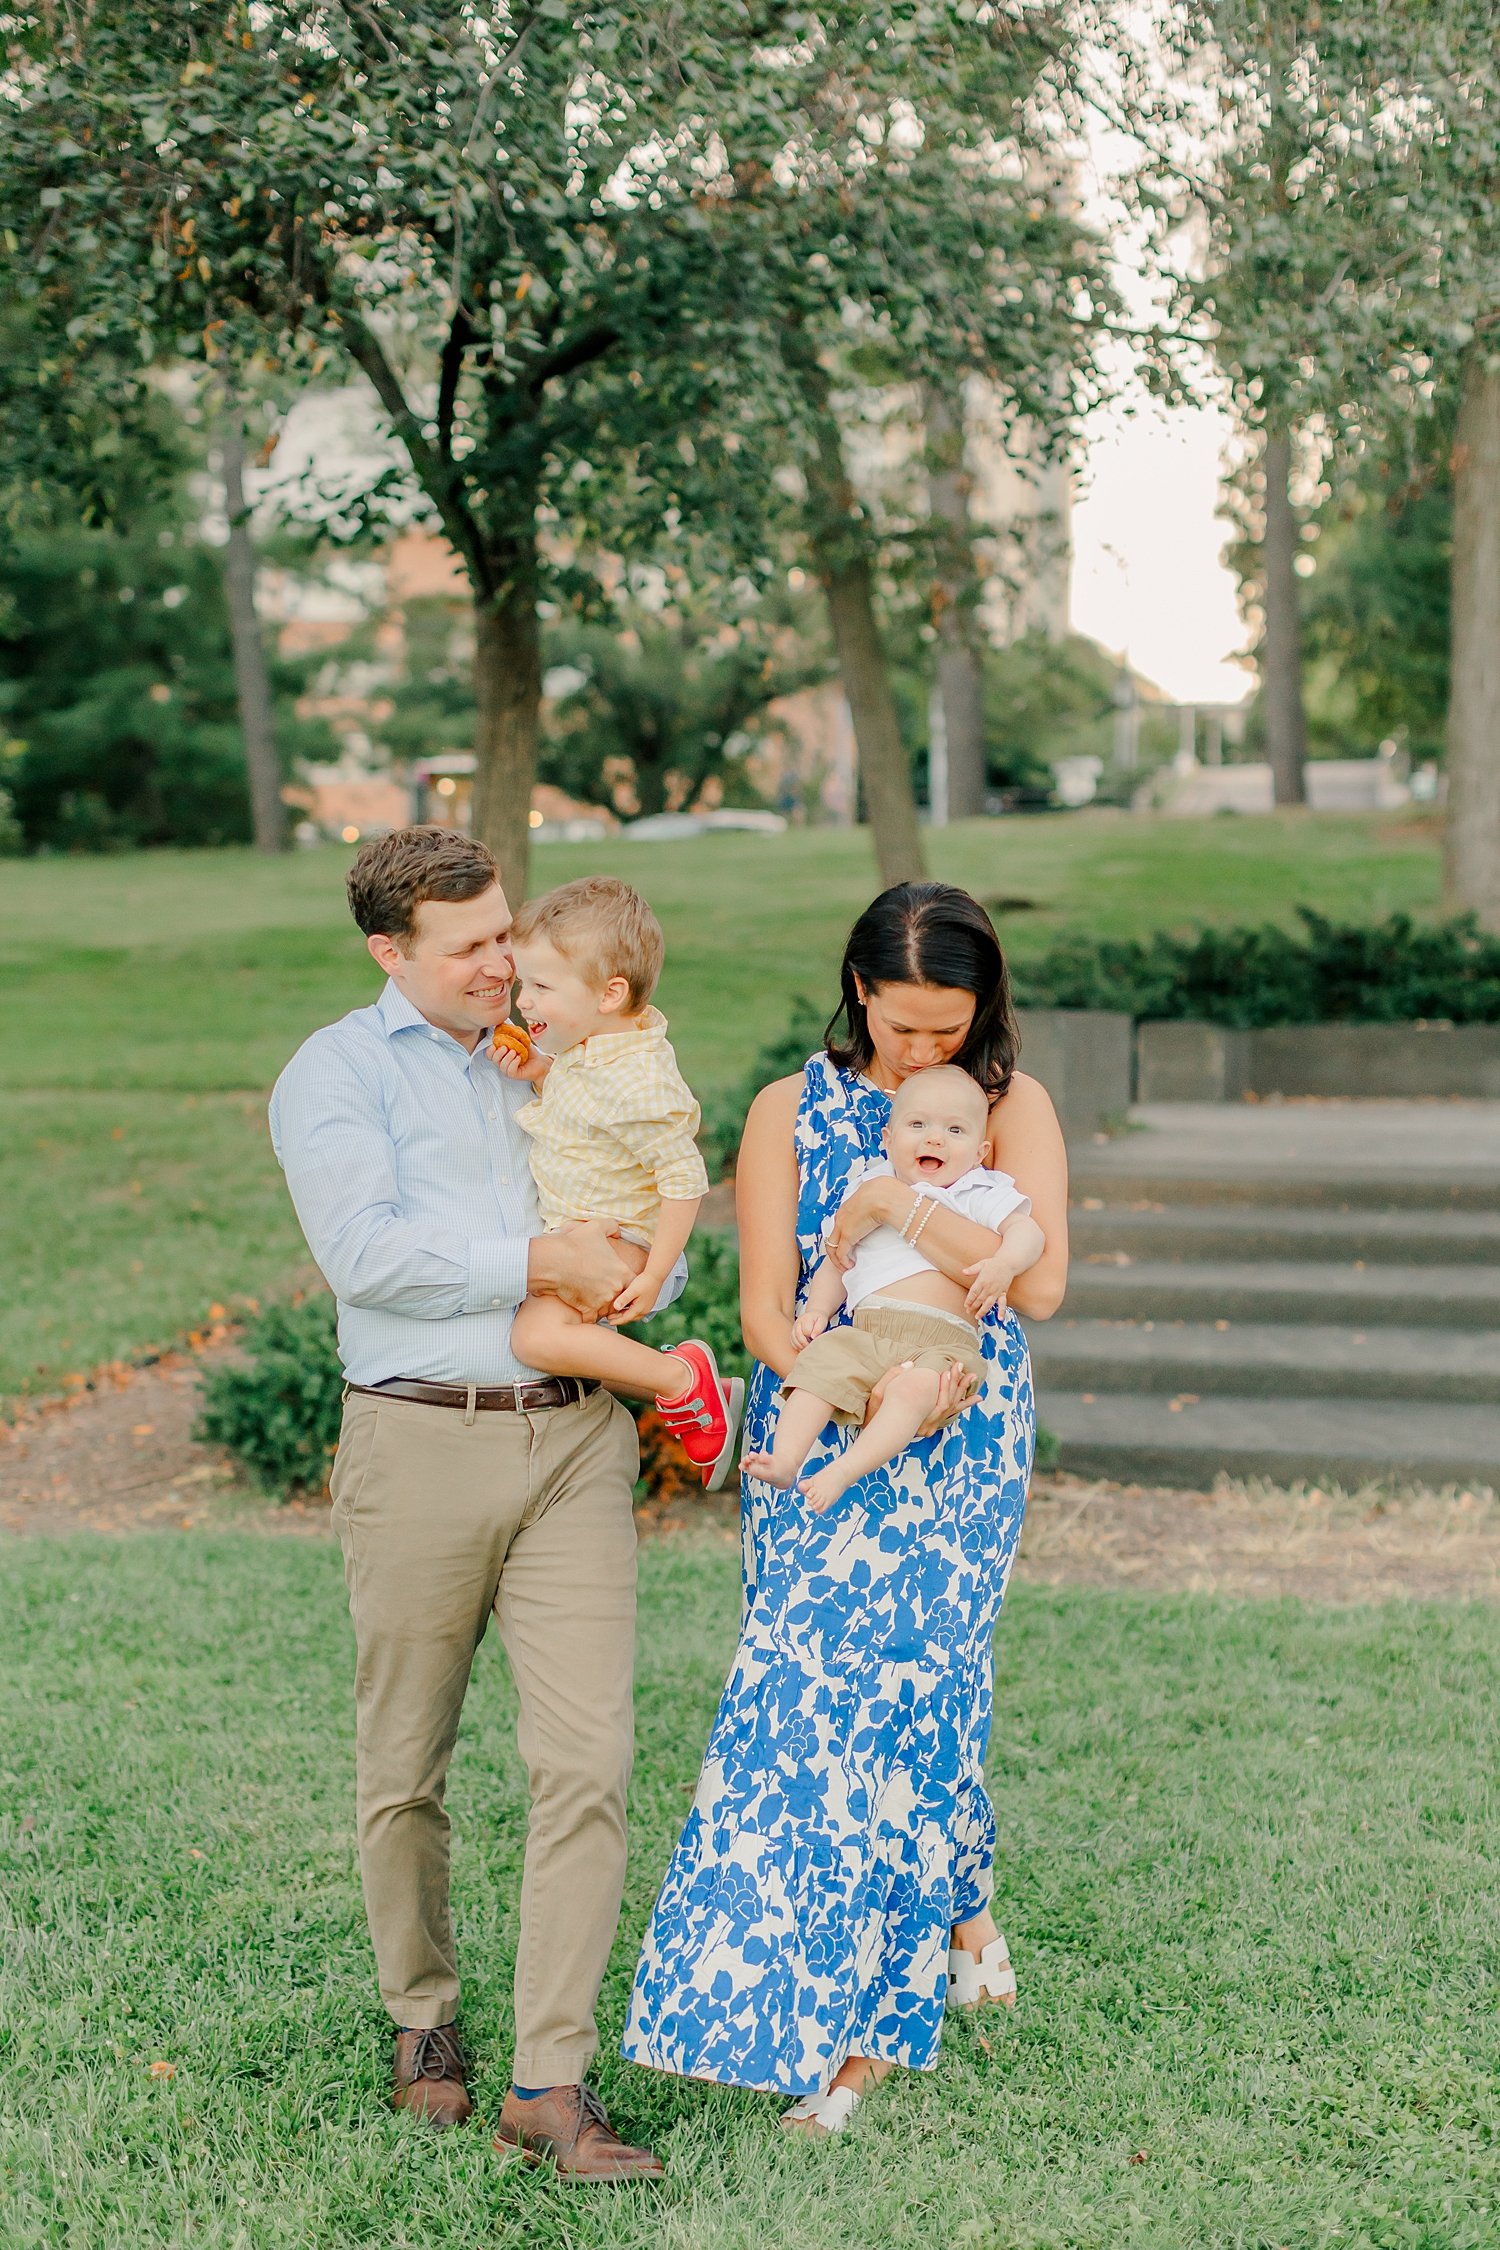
(117, 1132)
(1139, 2157)
(143, 1429)
(169, 2070)
(216, 1312)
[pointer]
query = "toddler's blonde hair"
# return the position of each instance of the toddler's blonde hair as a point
(603, 928)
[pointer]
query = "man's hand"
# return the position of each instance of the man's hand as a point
(638, 1298)
(860, 1214)
(957, 1391)
(808, 1323)
(580, 1264)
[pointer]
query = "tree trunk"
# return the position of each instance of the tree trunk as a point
(508, 696)
(960, 665)
(837, 538)
(1472, 851)
(1281, 659)
(251, 679)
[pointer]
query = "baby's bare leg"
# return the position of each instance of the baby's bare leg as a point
(801, 1417)
(910, 1397)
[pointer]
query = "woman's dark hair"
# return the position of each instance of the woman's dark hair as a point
(934, 934)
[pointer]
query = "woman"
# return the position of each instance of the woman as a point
(840, 1838)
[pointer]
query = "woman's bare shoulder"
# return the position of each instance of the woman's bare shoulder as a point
(776, 1105)
(1024, 1098)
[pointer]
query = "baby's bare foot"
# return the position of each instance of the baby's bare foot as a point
(766, 1469)
(822, 1489)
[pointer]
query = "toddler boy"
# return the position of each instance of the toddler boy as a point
(906, 1315)
(612, 1137)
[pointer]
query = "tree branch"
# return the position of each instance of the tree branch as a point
(460, 336)
(434, 472)
(589, 344)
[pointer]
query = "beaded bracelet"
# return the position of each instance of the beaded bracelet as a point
(916, 1233)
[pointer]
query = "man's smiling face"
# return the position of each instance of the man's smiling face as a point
(458, 969)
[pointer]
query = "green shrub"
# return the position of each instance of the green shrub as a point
(724, 1116)
(1396, 971)
(279, 1414)
(709, 1307)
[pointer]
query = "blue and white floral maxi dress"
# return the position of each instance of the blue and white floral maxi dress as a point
(840, 1823)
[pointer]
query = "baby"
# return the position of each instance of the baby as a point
(906, 1316)
(612, 1138)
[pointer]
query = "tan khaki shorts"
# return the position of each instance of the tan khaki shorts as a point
(843, 1365)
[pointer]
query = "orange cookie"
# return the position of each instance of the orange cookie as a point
(511, 1035)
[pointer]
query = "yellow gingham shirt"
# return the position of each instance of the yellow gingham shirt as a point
(612, 1130)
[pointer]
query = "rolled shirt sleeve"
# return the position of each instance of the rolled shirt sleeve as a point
(665, 1147)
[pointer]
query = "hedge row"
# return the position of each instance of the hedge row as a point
(1396, 971)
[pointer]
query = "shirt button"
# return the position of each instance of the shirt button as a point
(497, 1302)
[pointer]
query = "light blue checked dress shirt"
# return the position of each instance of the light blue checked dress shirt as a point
(413, 1186)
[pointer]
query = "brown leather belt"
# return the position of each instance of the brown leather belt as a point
(491, 1398)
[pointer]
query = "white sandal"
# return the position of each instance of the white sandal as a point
(973, 1979)
(832, 2111)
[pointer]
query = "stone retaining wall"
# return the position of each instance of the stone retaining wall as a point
(1202, 1062)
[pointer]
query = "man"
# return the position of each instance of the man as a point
(467, 1485)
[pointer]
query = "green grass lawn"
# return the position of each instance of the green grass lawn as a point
(1248, 1866)
(135, 983)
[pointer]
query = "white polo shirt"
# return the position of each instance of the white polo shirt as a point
(882, 1258)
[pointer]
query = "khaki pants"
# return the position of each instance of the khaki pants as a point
(443, 1522)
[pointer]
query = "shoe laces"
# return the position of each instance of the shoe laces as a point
(437, 2054)
(591, 2111)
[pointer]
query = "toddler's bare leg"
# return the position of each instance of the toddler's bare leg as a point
(801, 1416)
(549, 1335)
(909, 1399)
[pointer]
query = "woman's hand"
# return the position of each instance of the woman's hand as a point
(869, 1207)
(957, 1391)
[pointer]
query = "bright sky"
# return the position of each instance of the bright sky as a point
(1147, 575)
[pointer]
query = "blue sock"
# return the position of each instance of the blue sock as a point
(529, 2093)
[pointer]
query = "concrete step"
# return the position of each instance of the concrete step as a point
(1396, 1155)
(1249, 1230)
(1119, 1287)
(1333, 1189)
(1257, 1359)
(1338, 1440)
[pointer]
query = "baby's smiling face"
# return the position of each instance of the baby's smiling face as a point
(938, 1128)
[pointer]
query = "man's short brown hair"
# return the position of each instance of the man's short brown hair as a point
(604, 928)
(392, 876)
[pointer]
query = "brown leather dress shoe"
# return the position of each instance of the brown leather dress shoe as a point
(430, 2075)
(570, 2126)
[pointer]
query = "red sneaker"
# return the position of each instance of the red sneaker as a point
(706, 1418)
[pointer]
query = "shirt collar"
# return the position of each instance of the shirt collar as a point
(609, 1046)
(396, 1013)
